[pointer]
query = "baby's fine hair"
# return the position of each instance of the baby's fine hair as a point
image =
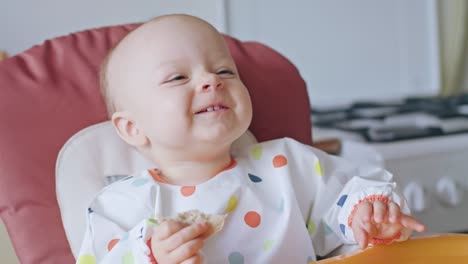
(104, 84)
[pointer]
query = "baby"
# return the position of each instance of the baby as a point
(174, 93)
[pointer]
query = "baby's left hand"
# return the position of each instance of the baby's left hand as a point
(382, 221)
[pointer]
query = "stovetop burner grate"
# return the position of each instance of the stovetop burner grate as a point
(414, 117)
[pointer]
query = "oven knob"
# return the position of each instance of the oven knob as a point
(449, 192)
(415, 196)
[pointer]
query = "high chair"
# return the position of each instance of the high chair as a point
(50, 92)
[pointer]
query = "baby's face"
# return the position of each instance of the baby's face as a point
(179, 83)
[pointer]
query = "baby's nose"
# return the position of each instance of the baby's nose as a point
(206, 86)
(213, 82)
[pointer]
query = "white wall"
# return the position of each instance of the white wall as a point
(24, 23)
(349, 50)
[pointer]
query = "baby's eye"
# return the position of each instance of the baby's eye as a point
(176, 78)
(225, 71)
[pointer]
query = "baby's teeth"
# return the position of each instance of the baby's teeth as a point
(209, 109)
(217, 107)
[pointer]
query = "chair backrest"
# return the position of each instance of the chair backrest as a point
(50, 92)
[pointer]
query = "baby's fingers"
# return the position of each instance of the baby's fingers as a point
(360, 235)
(185, 235)
(364, 213)
(380, 211)
(411, 223)
(394, 212)
(188, 252)
(167, 229)
(362, 227)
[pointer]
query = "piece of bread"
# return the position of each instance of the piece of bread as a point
(216, 221)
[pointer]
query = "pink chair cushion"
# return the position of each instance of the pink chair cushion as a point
(50, 92)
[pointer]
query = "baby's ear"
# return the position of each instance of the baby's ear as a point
(127, 129)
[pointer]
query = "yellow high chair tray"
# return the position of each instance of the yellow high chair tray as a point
(445, 249)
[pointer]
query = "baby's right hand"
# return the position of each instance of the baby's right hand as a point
(175, 242)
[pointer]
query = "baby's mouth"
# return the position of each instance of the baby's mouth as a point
(212, 108)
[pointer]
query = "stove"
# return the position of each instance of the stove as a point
(423, 141)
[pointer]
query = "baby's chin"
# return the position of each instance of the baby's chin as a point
(217, 143)
(222, 140)
(220, 133)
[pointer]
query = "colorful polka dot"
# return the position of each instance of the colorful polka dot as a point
(342, 200)
(252, 219)
(257, 152)
(268, 244)
(318, 168)
(139, 182)
(254, 178)
(236, 258)
(343, 229)
(87, 259)
(187, 190)
(141, 232)
(311, 226)
(112, 243)
(279, 161)
(326, 229)
(232, 204)
(127, 258)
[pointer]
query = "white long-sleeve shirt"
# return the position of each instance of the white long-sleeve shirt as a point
(285, 202)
